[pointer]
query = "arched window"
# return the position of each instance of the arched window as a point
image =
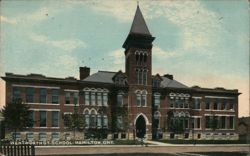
(105, 121)
(137, 58)
(140, 76)
(137, 76)
(157, 100)
(157, 116)
(93, 119)
(120, 99)
(86, 114)
(138, 99)
(145, 77)
(141, 58)
(145, 58)
(144, 98)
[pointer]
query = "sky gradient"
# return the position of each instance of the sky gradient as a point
(200, 42)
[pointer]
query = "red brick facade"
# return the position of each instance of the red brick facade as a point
(150, 98)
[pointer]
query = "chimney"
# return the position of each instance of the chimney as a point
(171, 77)
(84, 72)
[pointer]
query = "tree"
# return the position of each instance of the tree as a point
(74, 121)
(175, 124)
(17, 116)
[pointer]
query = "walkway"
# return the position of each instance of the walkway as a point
(109, 149)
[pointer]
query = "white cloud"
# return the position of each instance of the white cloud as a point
(199, 26)
(116, 60)
(4, 19)
(161, 54)
(66, 44)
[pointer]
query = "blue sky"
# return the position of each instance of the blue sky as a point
(201, 43)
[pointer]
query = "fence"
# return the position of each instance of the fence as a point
(17, 150)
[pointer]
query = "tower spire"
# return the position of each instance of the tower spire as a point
(139, 25)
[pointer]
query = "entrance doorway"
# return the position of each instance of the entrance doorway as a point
(140, 127)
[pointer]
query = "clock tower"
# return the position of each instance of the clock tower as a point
(138, 64)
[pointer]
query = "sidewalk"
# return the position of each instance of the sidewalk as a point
(160, 148)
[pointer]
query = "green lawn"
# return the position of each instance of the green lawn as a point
(204, 141)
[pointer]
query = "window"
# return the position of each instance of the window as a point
(119, 122)
(144, 99)
(141, 58)
(215, 104)
(55, 96)
(186, 103)
(92, 119)
(197, 104)
(42, 118)
(54, 119)
(105, 99)
(86, 98)
(31, 119)
(76, 95)
(231, 122)
(29, 136)
(231, 105)
(140, 77)
(29, 94)
(171, 102)
(67, 97)
(99, 121)
(99, 99)
(86, 113)
(145, 58)
(137, 59)
(119, 100)
(137, 76)
(145, 77)
(157, 116)
(16, 136)
(43, 95)
(208, 122)
(16, 93)
(207, 103)
(105, 121)
(42, 136)
(92, 99)
(181, 103)
(198, 122)
(138, 100)
(223, 104)
(156, 83)
(55, 136)
(223, 122)
(157, 100)
(186, 123)
(177, 103)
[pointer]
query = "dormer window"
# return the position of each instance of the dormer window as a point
(119, 78)
(157, 81)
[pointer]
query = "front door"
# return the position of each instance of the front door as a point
(140, 127)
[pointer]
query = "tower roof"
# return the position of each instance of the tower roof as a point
(139, 25)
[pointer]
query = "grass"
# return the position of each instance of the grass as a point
(204, 141)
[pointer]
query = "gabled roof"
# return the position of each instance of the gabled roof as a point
(101, 76)
(168, 83)
(139, 25)
(119, 73)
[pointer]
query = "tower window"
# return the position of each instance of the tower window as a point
(145, 58)
(137, 59)
(145, 77)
